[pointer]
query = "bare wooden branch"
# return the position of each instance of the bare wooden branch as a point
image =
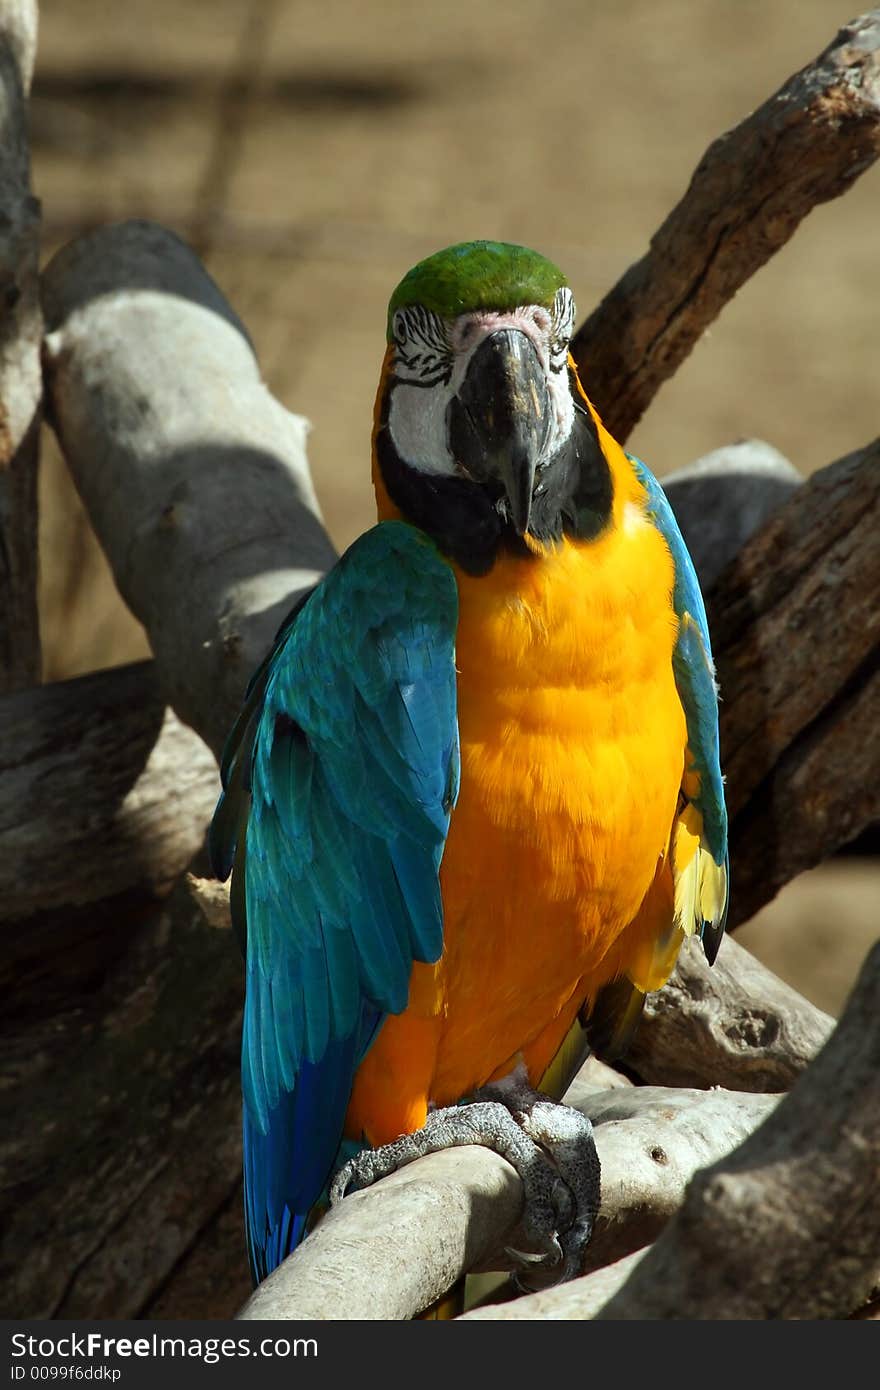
(392, 1250)
(788, 1225)
(121, 1123)
(733, 1024)
(102, 791)
(808, 143)
(21, 387)
(650, 1141)
(796, 634)
(823, 792)
(195, 478)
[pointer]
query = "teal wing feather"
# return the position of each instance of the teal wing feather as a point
(695, 681)
(338, 785)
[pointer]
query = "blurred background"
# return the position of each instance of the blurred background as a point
(312, 150)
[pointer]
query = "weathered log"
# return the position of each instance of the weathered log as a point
(796, 634)
(822, 793)
(392, 1250)
(649, 1153)
(195, 478)
(102, 791)
(733, 1024)
(21, 387)
(120, 1117)
(786, 1226)
(806, 144)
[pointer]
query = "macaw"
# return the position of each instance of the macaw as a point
(473, 802)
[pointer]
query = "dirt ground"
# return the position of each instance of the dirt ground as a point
(314, 151)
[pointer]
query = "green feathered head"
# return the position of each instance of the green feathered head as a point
(478, 275)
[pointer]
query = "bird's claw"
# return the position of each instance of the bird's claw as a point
(551, 1149)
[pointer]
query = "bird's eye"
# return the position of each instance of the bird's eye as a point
(399, 326)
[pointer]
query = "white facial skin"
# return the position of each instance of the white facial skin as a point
(432, 355)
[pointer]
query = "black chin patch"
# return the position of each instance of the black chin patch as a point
(459, 515)
(469, 521)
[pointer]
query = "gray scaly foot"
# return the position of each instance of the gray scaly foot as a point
(550, 1146)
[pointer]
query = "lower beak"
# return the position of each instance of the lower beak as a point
(498, 424)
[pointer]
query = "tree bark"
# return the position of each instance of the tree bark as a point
(121, 1117)
(104, 800)
(102, 791)
(808, 143)
(21, 387)
(796, 632)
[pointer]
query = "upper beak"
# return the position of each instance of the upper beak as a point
(499, 422)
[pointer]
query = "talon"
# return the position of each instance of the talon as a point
(545, 1258)
(339, 1187)
(527, 1257)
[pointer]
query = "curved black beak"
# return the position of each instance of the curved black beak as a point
(498, 425)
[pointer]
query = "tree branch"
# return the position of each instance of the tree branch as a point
(21, 386)
(808, 143)
(194, 477)
(733, 1024)
(121, 1117)
(796, 633)
(102, 792)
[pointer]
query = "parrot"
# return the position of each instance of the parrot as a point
(472, 804)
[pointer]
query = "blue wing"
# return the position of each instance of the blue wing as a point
(338, 783)
(705, 821)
